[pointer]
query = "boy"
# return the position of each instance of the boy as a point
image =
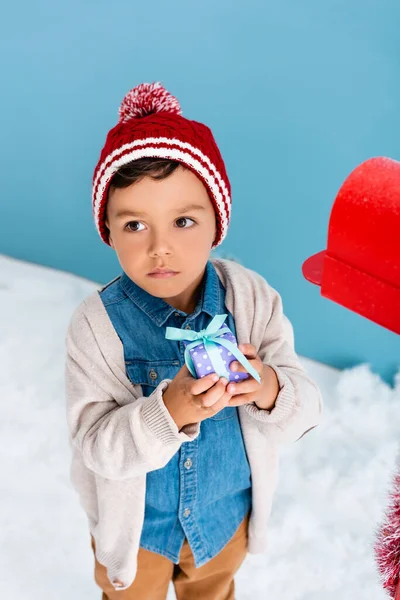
(176, 474)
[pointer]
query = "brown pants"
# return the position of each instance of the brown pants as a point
(212, 581)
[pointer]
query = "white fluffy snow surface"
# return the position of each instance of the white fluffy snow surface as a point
(332, 487)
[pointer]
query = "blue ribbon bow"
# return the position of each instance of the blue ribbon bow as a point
(211, 337)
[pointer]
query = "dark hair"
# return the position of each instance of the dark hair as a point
(156, 168)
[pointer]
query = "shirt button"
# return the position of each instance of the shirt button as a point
(188, 327)
(153, 374)
(188, 463)
(177, 314)
(186, 512)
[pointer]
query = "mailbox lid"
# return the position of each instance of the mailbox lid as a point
(364, 226)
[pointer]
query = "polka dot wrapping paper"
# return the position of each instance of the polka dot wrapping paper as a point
(203, 365)
(212, 350)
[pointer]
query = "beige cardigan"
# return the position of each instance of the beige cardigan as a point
(117, 435)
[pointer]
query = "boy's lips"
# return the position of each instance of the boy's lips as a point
(161, 270)
(163, 274)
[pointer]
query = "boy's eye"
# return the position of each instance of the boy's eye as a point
(132, 225)
(184, 219)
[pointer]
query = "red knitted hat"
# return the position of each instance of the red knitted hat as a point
(150, 125)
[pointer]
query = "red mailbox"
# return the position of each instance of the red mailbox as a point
(360, 268)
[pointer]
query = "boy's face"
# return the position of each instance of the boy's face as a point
(163, 235)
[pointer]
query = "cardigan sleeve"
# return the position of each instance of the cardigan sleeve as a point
(298, 407)
(116, 441)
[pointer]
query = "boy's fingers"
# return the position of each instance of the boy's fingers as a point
(222, 403)
(248, 350)
(240, 400)
(246, 386)
(203, 384)
(215, 394)
(237, 367)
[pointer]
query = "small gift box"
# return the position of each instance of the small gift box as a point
(212, 350)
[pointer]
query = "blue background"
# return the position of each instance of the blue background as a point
(296, 93)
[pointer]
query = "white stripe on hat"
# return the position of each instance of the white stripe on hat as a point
(167, 142)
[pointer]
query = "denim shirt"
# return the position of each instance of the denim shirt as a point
(204, 492)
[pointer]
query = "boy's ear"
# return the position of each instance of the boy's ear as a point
(109, 234)
(215, 234)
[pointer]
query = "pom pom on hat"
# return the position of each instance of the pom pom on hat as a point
(147, 99)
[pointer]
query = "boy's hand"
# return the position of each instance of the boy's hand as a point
(191, 400)
(263, 394)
